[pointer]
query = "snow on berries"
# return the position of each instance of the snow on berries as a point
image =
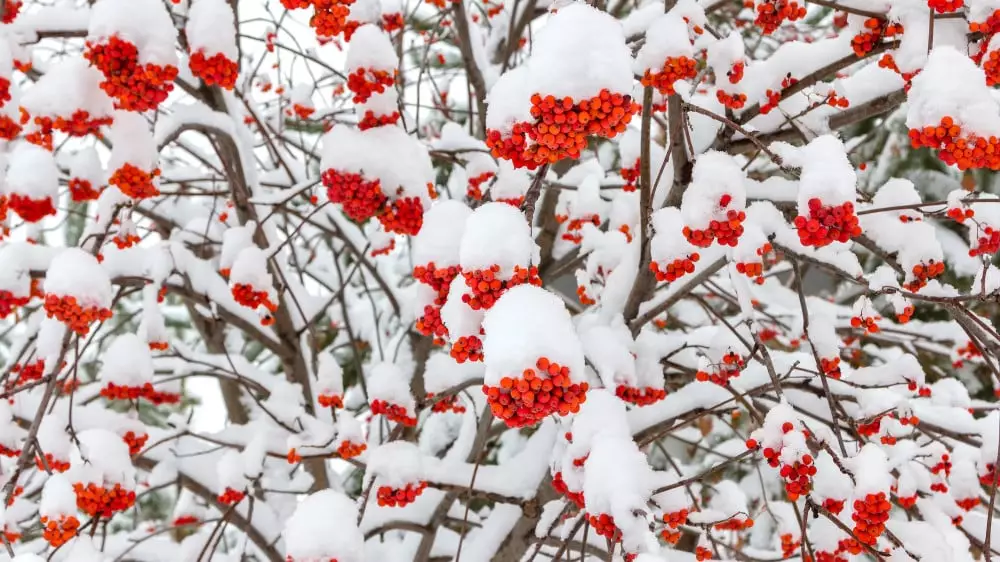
(495, 254)
(826, 197)
(324, 527)
(581, 207)
(57, 511)
(872, 483)
(329, 384)
(629, 149)
(32, 183)
(444, 374)
(127, 372)
(511, 185)
(211, 36)
(667, 56)
(251, 284)
(68, 99)
(782, 440)
(133, 45)
(87, 176)
(134, 156)
(371, 65)
(389, 394)
(713, 207)
(726, 57)
(613, 353)
(102, 474)
(950, 109)
(436, 253)
(673, 256)
(576, 84)
(359, 175)
(397, 469)
(234, 241)
(533, 356)
(77, 291)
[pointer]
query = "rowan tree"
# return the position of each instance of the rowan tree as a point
(519, 280)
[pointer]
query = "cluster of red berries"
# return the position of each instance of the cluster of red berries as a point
(467, 348)
(54, 464)
(76, 316)
(889, 62)
(631, 175)
(9, 303)
(830, 366)
(990, 476)
(365, 82)
(81, 190)
(214, 70)
(583, 297)
(135, 442)
(988, 27)
(79, 124)
(674, 69)
(360, 199)
(229, 496)
(101, 501)
(574, 226)
(446, 404)
(398, 497)
(560, 486)
(702, 553)
(789, 545)
(732, 101)
(124, 240)
(945, 6)
(988, 242)
(58, 532)
(834, 101)
(955, 148)
(736, 523)
(486, 288)
(675, 269)
(134, 86)
(604, 525)
(370, 120)
(968, 504)
(147, 391)
(774, 97)
(525, 400)
(868, 323)
(393, 412)
(672, 522)
(827, 223)
(834, 506)
(875, 30)
(475, 190)
(430, 324)
(870, 515)
(349, 450)
(730, 367)
(246, 295)
(922, 273)
(640, 396)
(330, 401)
(330, 16)
(31, 210)
(561, 127)
(405, 215)
(772, 13)
(134, 182)
(185, 520)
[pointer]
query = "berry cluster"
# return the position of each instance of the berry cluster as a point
(369, 120)
(112, 391)
(77, 316)
(631, 175)
(525, 400)
(869, 323)
(945, 6)
(674, 69)
(583, 297)
(467, 348)
(404, 215)
(229, 496)
(31, 210)
(735, 523)
(673, 520)
(79, 124)
(365, 81)
(134, 182)
(640, 396)
(330, 16)
(968, 504)
(830, 366)
(702, 553)
(772, 13)
(922, 273)
(574, 227)
(330, 401)
(775, 97)
(214, 70)
(124, 240)
(730, 367)
(430, 324)
(604, 525)
(348, 450)
(360, 199)
(246, 295)
(394, 412)
(955, 148)
(9, 303)
(135, 442)
(101, 501)
(560, 486)
(561, 127)
(487, 287)
(675, 269)
(54, 464)
(475, 190)
(789, 545)
(732, 101)
(833, 506)
(827, 224)
(988, 27)
(988, 242)
(399, 497)
(58, 532)
(81, 190)
(870, 515)
(445, 404)
(875, 30)
(134, 86)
